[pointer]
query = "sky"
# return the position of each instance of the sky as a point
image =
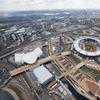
(21, 5)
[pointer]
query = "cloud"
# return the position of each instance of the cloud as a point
(10, 5)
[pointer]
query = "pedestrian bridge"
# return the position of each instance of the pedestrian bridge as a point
(32, 66)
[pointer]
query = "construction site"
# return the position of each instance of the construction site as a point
(70, 69)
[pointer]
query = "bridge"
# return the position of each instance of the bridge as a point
(32, 66)
(69, 70)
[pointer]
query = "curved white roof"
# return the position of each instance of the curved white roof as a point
(29, 57)
(77, 48)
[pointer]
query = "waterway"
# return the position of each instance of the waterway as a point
(5, 95)
(74, 92)
(54, 71)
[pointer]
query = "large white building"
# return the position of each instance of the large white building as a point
(81, 41)
(42, 74)
(29, 57)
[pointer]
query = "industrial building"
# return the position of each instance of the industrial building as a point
(43, 75)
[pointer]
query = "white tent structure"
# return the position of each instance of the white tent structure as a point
(29, 57)
(42, 74)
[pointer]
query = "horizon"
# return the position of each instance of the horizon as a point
(51, 10)
(42, 5)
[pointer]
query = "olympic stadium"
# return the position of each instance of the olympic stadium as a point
(88, 46)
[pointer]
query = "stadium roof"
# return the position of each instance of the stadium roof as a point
(76, 46)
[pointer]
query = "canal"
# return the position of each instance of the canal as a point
(74, 92)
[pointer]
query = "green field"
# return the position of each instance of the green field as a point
(95, 75)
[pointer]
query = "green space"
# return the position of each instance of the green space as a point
(74, 59)
(97, 77)
(94, 74)
(80, 31)
(89, 47)
(66, 47)
(86, 69)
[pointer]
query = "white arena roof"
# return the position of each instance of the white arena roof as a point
(87, 53)
(29, 57)
(42, 74)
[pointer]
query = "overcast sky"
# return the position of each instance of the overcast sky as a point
(18, 5)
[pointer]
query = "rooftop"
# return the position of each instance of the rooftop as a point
(42, 74)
